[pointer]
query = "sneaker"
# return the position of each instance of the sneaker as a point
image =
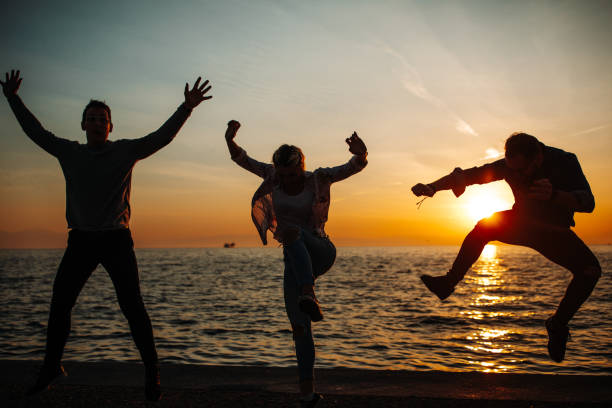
(309, 304)
(557, 340)
(316, 401)
(46, 378)
(439, 285)
(152, 383)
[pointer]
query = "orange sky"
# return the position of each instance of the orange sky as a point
(428, 85)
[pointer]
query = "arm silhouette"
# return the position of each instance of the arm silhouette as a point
(358, 148)
(30, 125)
(580, 198)
(240, 156)
(576, 194)
(147, 145)
(458, 179)
(354, 165)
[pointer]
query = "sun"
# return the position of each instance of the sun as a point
(483, 205)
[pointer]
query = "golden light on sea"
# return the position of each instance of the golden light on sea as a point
(489, 252)
(486, 278)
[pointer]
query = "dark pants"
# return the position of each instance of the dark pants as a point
(306, 258)
(115, 251)
(560, 245)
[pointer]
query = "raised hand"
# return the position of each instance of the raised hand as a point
(11, 84)
(423, 190)
(195, 95)
(232, 128)
(356, 145)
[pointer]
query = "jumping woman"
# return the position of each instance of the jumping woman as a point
(293, 204)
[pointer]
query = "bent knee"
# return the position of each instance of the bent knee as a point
(485, 229)
(592, 272)
(289, 235)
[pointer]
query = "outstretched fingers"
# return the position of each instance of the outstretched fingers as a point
(197, 83)
(196, 94)
(11, 82)
(204, 90)
(18, 78)
(201, 87)
(7, 78)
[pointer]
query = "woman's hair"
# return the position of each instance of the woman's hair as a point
(522, 144)
(287, 156)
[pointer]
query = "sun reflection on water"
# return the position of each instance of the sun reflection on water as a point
(489, 252)
(492, 333)
(488, 367)
(487, 283)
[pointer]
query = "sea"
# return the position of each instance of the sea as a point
(224, 306)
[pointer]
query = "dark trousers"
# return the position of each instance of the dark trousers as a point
(115, 251)
(306, 258)
(560, 245)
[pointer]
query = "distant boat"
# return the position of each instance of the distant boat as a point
(229, 245)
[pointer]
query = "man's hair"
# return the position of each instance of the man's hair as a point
(522, 144)
(97, 104)
(287, 156)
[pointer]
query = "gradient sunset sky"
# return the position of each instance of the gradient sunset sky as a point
(428, 85)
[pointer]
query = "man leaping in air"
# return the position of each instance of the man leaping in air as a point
(548, 187)
(98, 181)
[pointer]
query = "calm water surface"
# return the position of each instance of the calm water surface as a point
(225, 306)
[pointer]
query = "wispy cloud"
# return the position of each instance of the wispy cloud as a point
(492, 153)
(464, 127)
(413, 83)
(591, 130)
(418, 90)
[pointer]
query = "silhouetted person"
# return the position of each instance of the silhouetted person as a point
(293, 204)
(548, 187)
(98, 180)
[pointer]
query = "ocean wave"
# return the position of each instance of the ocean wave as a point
(227, 307)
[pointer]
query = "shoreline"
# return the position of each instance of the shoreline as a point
(99, 384)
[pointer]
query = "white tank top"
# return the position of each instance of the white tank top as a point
(293, 210)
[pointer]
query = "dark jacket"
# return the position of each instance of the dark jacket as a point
(559, 167)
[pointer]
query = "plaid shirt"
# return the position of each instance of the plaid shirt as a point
(319, 181)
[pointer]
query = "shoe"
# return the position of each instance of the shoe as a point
(46, 378)
(557, 340)
(309, 304)
(152, 383)
(439, 285)
(316, 401)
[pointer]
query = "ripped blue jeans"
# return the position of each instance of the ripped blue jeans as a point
(306, 258)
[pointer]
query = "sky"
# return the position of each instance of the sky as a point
(428, 85)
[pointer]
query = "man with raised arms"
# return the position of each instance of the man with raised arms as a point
(548, 187)
(98, 181)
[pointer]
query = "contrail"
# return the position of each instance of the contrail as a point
(591, 130)
(413, 83)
